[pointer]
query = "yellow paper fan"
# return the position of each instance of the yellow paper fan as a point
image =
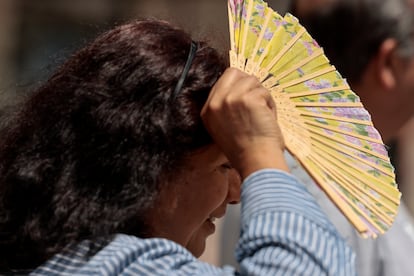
(323, 122)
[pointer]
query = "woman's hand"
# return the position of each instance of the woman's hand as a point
(240, 115)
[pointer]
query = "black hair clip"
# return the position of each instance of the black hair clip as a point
(187, 66)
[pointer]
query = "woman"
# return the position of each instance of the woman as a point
(110, 169)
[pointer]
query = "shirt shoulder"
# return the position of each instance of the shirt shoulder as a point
(128, 255)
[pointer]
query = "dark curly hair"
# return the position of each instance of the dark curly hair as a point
(88, 153)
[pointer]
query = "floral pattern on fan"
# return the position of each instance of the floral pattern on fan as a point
(323, 121)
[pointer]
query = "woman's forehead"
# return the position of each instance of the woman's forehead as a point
(210, 154)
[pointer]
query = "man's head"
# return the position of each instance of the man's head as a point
(371, 42)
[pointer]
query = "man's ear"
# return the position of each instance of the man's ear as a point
(385, 64)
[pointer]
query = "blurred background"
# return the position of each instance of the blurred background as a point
(36, 36)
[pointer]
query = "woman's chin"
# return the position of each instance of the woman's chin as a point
(197, 242)
(197, 248)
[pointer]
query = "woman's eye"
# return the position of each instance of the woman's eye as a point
(224, 168)
(227, 166)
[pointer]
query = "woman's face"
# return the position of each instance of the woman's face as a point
(197, 196)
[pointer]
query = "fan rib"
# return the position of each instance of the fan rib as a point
(346, 184)
(335, 197)
(304, 78)
(342, 141)
(377, 229)
(261, 35)
(233, 59)
(262, 73)
(300, 94)
(356, 212)
(322, 139)
(276, 78)
(385, 189)
(285, 49)
(251, 66)
(390, 190)
(241, 62)
(373, 188)
(231, 26)
(328, 104)
(338, 130)
(246, 28)
(339, 119)
(386, 170)
(385, 195)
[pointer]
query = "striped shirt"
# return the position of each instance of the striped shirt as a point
(283, 232)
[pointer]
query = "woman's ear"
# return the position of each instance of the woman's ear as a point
(386, 64)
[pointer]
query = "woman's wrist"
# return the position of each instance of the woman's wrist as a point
(249, 161)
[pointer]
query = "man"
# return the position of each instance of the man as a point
(371, 43)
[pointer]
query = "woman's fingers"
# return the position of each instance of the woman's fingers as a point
(233, 81)
(241, 117)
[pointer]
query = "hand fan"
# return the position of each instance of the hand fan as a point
(324, 124)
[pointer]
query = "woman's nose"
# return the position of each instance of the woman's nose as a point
(233, 196)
